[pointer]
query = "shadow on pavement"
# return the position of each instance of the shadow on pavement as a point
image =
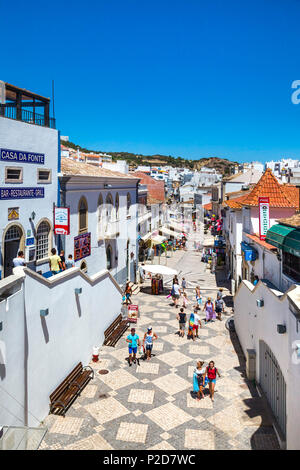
(257, 412)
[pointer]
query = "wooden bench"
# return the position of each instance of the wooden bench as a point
(114, 332)
(64, 395)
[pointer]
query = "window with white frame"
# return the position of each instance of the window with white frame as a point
(42, 240)
(43, 175)
(13, 174)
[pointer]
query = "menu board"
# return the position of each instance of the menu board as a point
(82, 246)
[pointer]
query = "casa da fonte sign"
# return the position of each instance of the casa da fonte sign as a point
(7, 155)
(21, 193)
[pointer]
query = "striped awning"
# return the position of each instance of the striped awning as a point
(284, 237)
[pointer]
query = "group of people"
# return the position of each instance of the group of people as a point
(145, 348)
(205, 375)
(58, 263)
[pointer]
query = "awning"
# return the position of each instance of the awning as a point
(158, 239)
(159, 269)
(146, 237)
(209, 242)
(167, 231)
(285, 238)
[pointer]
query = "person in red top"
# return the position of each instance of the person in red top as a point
(211, 374)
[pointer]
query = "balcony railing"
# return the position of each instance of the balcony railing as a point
(12, 112)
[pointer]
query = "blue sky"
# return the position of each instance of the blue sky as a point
(187, 78)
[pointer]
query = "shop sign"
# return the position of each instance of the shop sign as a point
(13, 213)
(82, 246)
(8, 155)
(264, 216)
(21, 193)
(61, 220)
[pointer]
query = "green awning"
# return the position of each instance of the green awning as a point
(284, 237)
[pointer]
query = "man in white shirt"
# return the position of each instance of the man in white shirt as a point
(176, 293)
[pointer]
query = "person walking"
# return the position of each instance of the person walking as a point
(185, 300)
(219, 306)
(149, 337)
(256, 279)
(133, 341)
(220, 293)
(198, 379)
(55, 262)
(196, 324)
(198, 295)
(181, 317)
(183, 284)
(209, 310)
(211, 374)
(142, 273)
(176, 293)
(128, 293)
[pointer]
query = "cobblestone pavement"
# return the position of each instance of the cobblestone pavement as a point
(151, 406)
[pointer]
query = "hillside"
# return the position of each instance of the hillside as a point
(222, 165)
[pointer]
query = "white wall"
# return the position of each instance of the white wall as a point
(254, 324)
(42, 351)
(16, 135)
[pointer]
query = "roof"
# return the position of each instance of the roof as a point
(236, 202)
(293, 221)
(208, 206)
(263, 243)
(152, 200)
(156, 188)
(250, 176)
(268, 186)
(71, 168)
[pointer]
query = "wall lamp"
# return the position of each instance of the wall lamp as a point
(1, 325)
(32, 216)
(259, 302)
(44, 312)
(281, 329)
(106, 185)
(78, 290)
(297, 348)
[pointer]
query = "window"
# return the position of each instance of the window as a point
(117, 206)
(291, 266)
(109, 257)
(128, 203)
(109, 207)
(44, 176)
(13, 174)
(42, 240)
(83, 267)
(100, 214)
(83, 216)
(13, 233)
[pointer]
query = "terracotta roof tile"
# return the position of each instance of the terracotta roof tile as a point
(156, 189)
(268, 186)
(208, 206)
(263, 243)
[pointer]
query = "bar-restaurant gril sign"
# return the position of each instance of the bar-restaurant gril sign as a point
(264, 216)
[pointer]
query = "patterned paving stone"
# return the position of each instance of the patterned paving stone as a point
(89, 391)
(138, 395)
(94, 442)
(168, 416)
(197, 439)
(171, 383)
(165, 436)
(158, 346)
(163, 445)
(106, 410)
(174, 358)
(132, 432)
(118, 378)
(161, 316)
(67, 425)
(148, 367)
(199, 350)
(204, 403)
(159, 329)
(173, 339)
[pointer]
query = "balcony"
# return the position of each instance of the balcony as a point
(108, 230)
(143, 217)
(14, 100)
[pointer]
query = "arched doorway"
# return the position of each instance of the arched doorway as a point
(13, 242)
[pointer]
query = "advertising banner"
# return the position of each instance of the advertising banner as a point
(61, 220)
(264, 216)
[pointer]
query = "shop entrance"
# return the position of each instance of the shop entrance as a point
(11, 247)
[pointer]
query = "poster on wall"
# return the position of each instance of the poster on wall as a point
(82, 246)
(264, 216)
(61, 220)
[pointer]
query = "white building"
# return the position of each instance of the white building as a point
(103, 215)
(29, 161)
